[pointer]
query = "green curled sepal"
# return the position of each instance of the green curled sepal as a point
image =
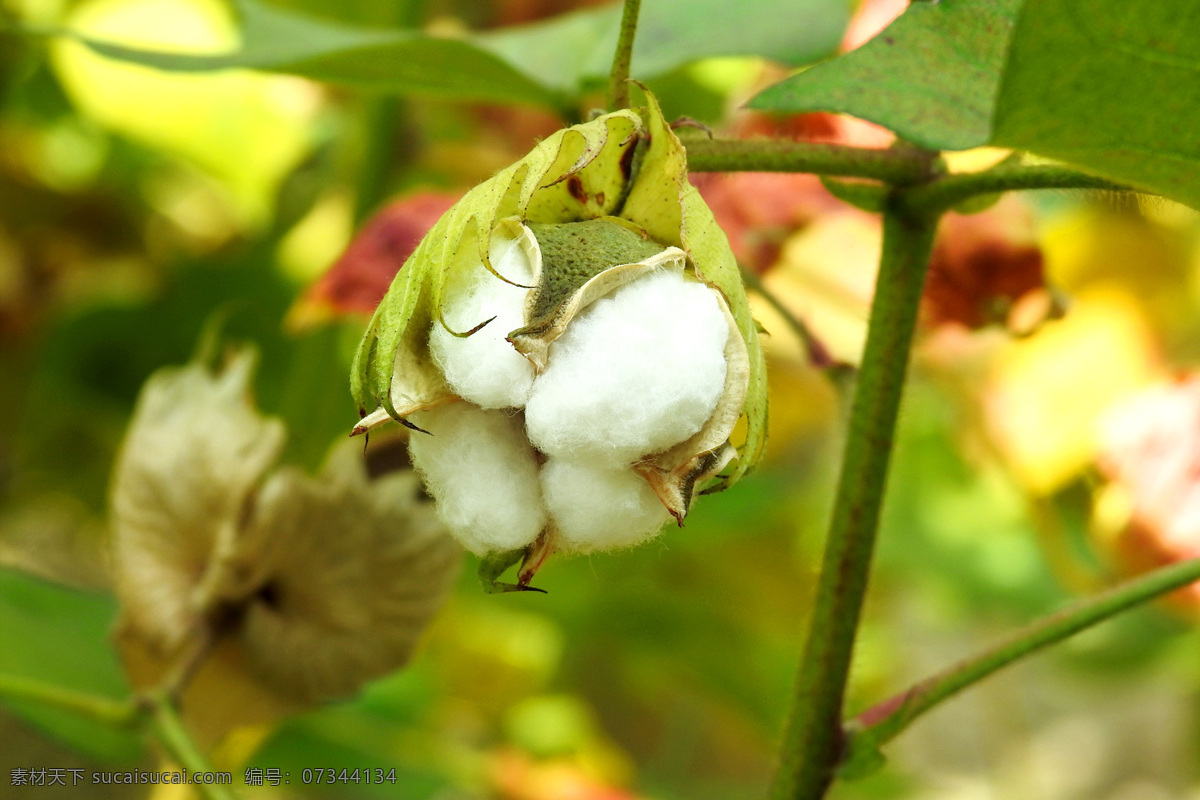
(493, 566)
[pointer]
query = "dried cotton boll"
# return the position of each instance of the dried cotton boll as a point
(635, 373)
(600, 509)
(481, 470)
(483, 367)
(357, 570)
(193, 456)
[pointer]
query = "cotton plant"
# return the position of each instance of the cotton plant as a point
(573, 346)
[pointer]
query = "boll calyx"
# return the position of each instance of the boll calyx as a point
(575, 337)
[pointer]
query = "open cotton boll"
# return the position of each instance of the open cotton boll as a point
(600, 509)
(483, 367)
(636, 373)
(483, 475)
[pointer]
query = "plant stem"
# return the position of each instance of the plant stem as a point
(155, 709)
(112, 712)
(950, 190)
(169, 728)
(895, 166)
(882, 723)
(818, 355)
(618, 93)
(813, 740)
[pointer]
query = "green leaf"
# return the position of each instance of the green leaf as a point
(931, 76)
(546, 63)
(1113, 87)
(280, 40)
(570, 50)
(60, 636)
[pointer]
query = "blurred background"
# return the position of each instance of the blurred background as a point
(1049, 442)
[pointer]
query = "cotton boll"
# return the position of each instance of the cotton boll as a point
(483, 367)
(636, 373)
(483, 475)
(600, 509)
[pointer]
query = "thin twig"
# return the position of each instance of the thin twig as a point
(884, 722)
(950, 190)
(118, 713)
(168, 727)
(618, 92)
(818, 355)
(900, 167)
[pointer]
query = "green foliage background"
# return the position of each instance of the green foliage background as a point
(661, 672)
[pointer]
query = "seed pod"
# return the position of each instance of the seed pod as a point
(302, 588)
(586, 295)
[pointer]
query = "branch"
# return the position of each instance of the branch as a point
(168, 727)
(881, 724)
(818, 355)
(897, 166)
(813, 740)
(153, 709)
(112, 712)
(948, 191)
(618, 93)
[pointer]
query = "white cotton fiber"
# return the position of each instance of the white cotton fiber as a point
(600, 509)
(635, 373)
(483, 475)
(483, 367)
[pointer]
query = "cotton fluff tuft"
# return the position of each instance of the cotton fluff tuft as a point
(636, 373)
(600, 509)
(483, 474)
(483, 367)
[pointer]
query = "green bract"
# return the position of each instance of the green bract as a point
(627, 172)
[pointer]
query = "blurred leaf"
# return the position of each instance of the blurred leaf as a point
(542, 63)
(279, 40)
(60, 636)
(931, 76)
(360, 277)
(357, 12)
(570, 49)
(1111, 86)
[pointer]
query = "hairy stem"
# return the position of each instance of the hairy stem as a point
(112, 712)
(885, 721)
(950, 190)
(168, 727)
(618, 93)
(813, 740)
(895, 166)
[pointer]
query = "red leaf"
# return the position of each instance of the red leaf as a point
(358, 280)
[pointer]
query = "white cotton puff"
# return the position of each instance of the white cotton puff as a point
(636, 373)
(600, 509)
(483, 367)
(483, 475)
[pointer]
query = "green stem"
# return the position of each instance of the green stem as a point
(895, 166)
(618, 80)
(111, 712)
(813, 740)
(818, 355)
(154, 709)
(950, 190)
(169, 728)
(882, 723)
